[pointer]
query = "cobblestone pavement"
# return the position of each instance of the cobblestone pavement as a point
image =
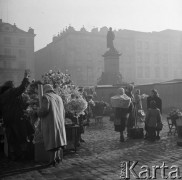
(100, 157)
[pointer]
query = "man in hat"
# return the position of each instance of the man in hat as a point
(52, 114)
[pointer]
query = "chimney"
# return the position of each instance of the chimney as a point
(31, 30)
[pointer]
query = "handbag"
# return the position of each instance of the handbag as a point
(159, 126)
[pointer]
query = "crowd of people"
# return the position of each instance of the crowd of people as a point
(127, 117)
(19, 130)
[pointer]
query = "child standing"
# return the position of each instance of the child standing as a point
(153, 118)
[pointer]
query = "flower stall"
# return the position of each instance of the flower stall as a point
(175, 120)
(73, 101)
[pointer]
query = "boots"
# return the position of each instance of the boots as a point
(122, 137)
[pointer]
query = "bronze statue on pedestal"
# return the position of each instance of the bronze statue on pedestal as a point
(110, 39)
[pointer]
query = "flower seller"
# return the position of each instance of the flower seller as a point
(17, 127)
(52, 114)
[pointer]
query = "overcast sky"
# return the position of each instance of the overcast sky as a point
(48, 17)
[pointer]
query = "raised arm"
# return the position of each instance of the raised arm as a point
(20, 89)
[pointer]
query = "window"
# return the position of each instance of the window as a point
(7, 64)
(1, 64)
(165, 47)
(139, 44)
(22, 41)
(156, 46)
(22, 65)
(147, 72)
(7, 51)
(166, 72)
(127, 59)
(7, 40)
(22, 53)
(139, 58)
(146, 45)
(157, 72)
(140, 72)
(147, 58)
(156, 58)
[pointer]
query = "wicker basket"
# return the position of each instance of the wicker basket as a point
(120, 101)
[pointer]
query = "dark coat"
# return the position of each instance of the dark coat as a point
(157, 100)
(122, 115)
(12, 107)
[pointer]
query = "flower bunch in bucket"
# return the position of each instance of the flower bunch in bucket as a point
(76, 105)
(175, 114)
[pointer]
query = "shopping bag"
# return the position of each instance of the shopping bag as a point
(136, 133)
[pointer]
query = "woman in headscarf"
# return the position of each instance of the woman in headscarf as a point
(153, 118)
(52, 115)
(155, 97)
(122, 114)
(131, 118)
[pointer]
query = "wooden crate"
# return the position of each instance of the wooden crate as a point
(40, 154)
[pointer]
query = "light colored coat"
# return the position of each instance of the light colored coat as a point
(53, 121)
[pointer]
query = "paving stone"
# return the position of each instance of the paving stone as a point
(100, 157)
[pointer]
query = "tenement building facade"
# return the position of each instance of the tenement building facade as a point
(145, 57)
(16, 52)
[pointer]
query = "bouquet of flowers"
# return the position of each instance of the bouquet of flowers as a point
(141, 115)
(64, 87)
(76, 106)
(175, 114)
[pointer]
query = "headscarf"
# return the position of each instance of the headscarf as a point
(48, 87)
(155, 92)
(121, 91)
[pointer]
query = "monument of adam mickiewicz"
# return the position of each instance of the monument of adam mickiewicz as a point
(110, 39)
(111, 74)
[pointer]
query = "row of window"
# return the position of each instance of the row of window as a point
(146, 72)
(12, 65)
(145, 45)
(8, 40)
(156, 58)
(21, 52)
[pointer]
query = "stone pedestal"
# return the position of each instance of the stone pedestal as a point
(111, 74)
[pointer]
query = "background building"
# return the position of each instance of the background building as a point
(16, 52)
(146, 57)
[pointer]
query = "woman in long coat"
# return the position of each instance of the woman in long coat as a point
(53, 124)
(155, 97)
(121, 116)
(131, 118)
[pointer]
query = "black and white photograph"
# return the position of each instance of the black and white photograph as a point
(90, 89)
